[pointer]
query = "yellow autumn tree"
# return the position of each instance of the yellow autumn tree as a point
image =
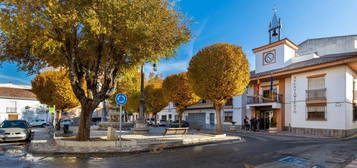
(217, 73)
(95, 41)
(54, 89)
(178, 90)
(155, 100)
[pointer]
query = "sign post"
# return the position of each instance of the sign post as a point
(53, 110)
(120, 99)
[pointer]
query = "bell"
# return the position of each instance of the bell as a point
(274, 33)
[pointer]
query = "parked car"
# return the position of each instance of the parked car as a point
(65, 122)
(163, 123)
(38, 122)
(150, 121)
(175, 124)
(15, 130)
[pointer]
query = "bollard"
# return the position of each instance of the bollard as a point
(111, 134)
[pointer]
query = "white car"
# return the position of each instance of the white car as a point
(15, 130)
(39, 122)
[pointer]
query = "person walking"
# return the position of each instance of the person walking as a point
(246, 123)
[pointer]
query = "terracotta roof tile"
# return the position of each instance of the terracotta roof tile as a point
(16, 93)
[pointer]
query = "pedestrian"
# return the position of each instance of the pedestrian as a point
(253, 123)
(246, 123)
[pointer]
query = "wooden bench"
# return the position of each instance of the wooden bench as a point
(175, 131)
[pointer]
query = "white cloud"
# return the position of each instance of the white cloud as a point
(12, 78)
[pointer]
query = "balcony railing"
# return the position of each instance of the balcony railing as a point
(11, 110)
(257, 99)
(316, 94)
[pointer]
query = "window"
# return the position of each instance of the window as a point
(315, 83)
(316, 112)
(170, 116)
(11, 108)
(316, 88)
(163, 117)
(354, 112)
(229, 102)
(228, 116)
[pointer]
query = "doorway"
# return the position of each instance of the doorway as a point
(211, 120)
(267, 119)
(13, 116)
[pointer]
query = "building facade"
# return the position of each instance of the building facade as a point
(308, 88)
(18, 102)
(203, 114)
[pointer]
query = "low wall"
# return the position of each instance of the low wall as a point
(323, 132)
(96, 144)
(105, 125)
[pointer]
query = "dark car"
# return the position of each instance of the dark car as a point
(175, 124)
(15, 130)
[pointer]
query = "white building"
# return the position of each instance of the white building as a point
(308, 88)
(18, 102)
(203, 114)
(168, 114)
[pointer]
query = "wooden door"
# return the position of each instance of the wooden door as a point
(13, 116)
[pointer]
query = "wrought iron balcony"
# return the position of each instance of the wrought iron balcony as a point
(257, 99)
(11, 110)
(316, 94)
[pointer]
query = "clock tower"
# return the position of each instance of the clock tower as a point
(278, 53)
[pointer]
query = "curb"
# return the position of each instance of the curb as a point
(275, 134)
(149, 148)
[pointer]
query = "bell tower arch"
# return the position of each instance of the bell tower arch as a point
(275, 28)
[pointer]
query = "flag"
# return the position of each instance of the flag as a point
(257, 86)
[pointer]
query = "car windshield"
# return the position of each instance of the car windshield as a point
(14, 124)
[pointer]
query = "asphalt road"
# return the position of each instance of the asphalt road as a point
(256, 150)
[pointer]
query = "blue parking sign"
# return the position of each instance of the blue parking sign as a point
(121, 98)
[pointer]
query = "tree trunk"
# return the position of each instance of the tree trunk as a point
(218, 108)
(180, 118)
(58, 117)
(155, 119)
(84, 125)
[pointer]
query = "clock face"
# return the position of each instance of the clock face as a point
(269, 57)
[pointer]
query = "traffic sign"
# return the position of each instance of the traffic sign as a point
(51, 109)
(121, 98)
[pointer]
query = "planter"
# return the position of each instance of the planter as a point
(95, 144)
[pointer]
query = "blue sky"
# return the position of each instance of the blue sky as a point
(244, 23)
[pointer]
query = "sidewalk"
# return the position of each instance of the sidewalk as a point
(44, 144)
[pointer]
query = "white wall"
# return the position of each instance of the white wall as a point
(331, 45)
(32, 113)
(288, 97)
(283, 55)
(169, 109)
(335, 80)
(350, 76)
